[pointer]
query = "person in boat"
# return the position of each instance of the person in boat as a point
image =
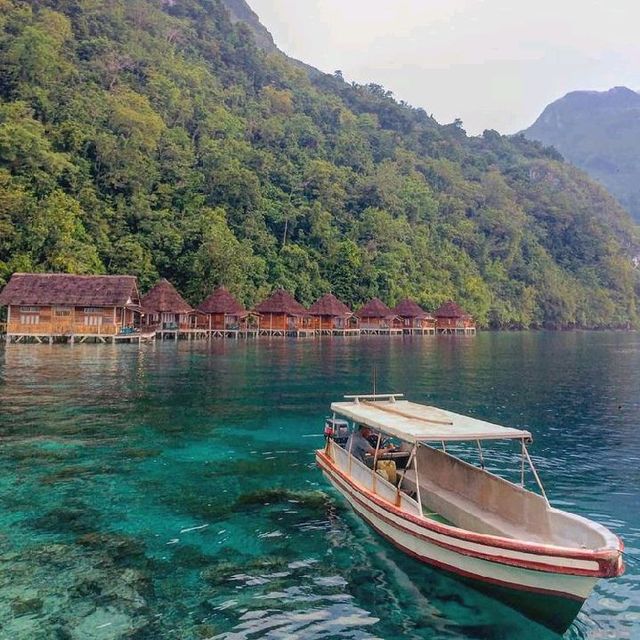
(358, 444)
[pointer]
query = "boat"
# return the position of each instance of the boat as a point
(446, 512)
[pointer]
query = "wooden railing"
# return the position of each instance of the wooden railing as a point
(375, 325)
(170, 326)
(100, 329)
(453, 323)
(61, 329)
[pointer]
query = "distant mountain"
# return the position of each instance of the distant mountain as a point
(600, 133)
(241, 12)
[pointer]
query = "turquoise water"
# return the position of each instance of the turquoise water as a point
(169, 491)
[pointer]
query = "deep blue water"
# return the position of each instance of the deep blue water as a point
(169, 490)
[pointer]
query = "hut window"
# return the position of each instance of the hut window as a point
(29, 318)
(93, 316)
(61, 312)
(29, 309)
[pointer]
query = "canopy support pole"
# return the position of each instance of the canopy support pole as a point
(375, 462)
(522, 464)
(535, 473)
(481, 455)
(404, 472)
(351, 447)
(443, 447)
(415, 466)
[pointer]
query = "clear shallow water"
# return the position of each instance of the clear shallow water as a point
(169, 491)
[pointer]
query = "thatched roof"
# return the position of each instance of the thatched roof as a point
(375, 308)
(281, 301)
(222, 301)
(407, 308)
(44, 289)
(450, 310)
(163, 298)
(329, 305)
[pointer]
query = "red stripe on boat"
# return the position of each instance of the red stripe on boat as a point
(607, 566)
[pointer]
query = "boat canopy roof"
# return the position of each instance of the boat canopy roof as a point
(412, 422)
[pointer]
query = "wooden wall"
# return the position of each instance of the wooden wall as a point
(455, 323)
(60, 319)
(370, 323)
(282, 322)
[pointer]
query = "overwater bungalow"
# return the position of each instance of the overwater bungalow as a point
(281, 314)
(452, 319)
(414, 319)
(376, 318)
(43, 307)
(330, 316)
(224, 317)
(166, 311)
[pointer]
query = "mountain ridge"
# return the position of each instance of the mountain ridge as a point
(241, 12)
(155, 138)
(598, 131)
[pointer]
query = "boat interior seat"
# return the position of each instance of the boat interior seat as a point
(463, 512)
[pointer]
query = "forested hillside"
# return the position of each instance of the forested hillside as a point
(599, 131)
(152, 137)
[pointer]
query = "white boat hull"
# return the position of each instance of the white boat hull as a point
(508, 568)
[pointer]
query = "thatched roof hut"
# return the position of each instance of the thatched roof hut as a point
(375, 308)
(222, 302)
(47, 289)
(450, 310)
(163, 298)
(281, 302)
(329, 305)
(407, 308)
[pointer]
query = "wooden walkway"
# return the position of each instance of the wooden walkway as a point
(456, 331)
(147, 335)
(287, 333)
(75, 338)
(381, 331)
(419, 331)
(205, 334)
(338, 332)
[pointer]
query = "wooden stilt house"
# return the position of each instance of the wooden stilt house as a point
(44, 306)
(414, 319)
(166, 310)
(281, 314)
(222, 315)
(452, 319)
(376, 318)
(332, 317)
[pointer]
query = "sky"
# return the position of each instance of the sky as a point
(495, 64)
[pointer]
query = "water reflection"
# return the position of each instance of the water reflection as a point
(169, 490)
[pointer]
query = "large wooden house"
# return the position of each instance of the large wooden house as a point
(452, 319)
(413, 319)
(281, 314)
(44, 306)
(222, 315)
(332, 317)
(165, 310)
(375, 317)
